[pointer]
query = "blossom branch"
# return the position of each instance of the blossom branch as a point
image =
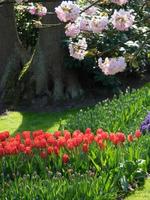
(40, 25)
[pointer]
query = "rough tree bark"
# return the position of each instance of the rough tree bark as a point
(48, 61)
(11, 51)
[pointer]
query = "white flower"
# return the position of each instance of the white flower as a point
(122, 20)
(84, 23)
(42, 11)
(72, 30)
(111, 66)
(99, 23)
(90, 11)
(78, 49)
(67, 11)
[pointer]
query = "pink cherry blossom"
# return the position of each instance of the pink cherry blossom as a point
(111, 66)
(72, 30)
(119, 2)
(78, 49)
(84, 23)
(122, 20)
(31, 9)
(42, 11)
(90, 11)
(98, 23)
(67, 11)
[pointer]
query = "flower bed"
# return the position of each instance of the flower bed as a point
(61, 143)
(115, 161)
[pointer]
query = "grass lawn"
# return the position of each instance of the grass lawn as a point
(143, 194)
(20, 121)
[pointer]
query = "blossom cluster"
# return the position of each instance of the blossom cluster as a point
(67, 11)
(145, 126)
(61, 143)
(89, 18)
(112, 66)
(78, 49)
(93, 21)
(122, 20)
(37, 9)
(32, 8)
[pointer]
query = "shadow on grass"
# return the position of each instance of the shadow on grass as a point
(45, 121)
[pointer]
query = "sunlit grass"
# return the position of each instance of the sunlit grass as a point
(10, 121)
(143, 194)
(19, 121)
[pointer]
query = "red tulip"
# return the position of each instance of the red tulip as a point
(47, 135)
(28, 150)
(56, 150)
(61, 141)
(138, 133)
(130, 138)
(121, 137)
(26, 134)
(85, 148)
(18, 137)
(88, 131)
(43, 143)
(28, 142)
(21, 147)
(101, 144)
(67, 135)
(57, 134)
(43, 154)
(50, 150)
(65, 158)
(70, 144)
(36, 143)
(104, 135)
(51, 140)
(37, 133)
(2, 137)
(76, 133)
(99, 131)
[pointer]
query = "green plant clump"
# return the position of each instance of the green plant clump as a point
(124, 113)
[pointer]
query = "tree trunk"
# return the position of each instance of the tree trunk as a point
(11, 51)
(46, 76)
(48, 61)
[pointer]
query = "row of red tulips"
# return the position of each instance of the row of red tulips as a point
(48, 143)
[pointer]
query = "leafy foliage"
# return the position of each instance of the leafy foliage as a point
(124, 113)
(26, 31)
(133, 44)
